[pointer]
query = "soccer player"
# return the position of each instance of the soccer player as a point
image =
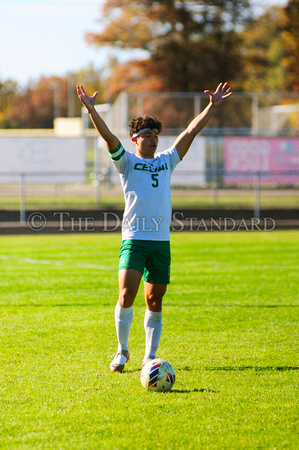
(145, 250)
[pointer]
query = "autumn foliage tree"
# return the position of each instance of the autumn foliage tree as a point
(271, 51)
(33, 106)
(188, 42)
(187, 46)
(8, 91)
(36, 105)
(263, 70)
(290, 39)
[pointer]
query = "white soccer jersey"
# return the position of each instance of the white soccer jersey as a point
(146, 186)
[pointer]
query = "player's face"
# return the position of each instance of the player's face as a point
(146, 144)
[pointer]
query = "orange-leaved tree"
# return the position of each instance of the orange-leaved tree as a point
(186, 42)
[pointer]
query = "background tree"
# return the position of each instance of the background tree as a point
(263, 52)
(290, 40)
(36, 105)
(188, 42)
(33, 107)
(8, 91)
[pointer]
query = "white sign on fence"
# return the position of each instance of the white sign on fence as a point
(41, 159)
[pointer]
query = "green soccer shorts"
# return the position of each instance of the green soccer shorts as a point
(151, 258)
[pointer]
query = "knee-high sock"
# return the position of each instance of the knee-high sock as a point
(123, 321)
(153, 330)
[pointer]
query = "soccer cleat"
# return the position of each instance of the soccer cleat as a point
(147, 359)
(119, 361)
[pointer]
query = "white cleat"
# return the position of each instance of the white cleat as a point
(119, 361)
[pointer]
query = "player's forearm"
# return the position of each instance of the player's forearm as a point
(103, 129)
(201, 120)
(99, 124)
(186, 138)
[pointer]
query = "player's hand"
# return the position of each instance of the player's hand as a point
(87, 101)
(220, 94)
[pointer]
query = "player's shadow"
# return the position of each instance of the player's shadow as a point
(187, 369)
(227, 369)
(189, 391)
(256, 368)
(130, 371)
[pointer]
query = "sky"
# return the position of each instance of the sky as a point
(46, 37)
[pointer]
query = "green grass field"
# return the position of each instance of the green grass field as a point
(230, 331)
(85, 197)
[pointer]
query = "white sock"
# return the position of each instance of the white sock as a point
(123, 321)
(153, 330)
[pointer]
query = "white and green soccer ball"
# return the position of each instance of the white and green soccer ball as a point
(157, 375)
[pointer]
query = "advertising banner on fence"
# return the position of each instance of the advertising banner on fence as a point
(42, 159)
(276, 158)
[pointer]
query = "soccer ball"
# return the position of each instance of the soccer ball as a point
(157, 375)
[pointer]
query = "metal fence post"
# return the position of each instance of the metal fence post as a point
(257, 195)
(22, 198)
(97, 170)
(214, 170)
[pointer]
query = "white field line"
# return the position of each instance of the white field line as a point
(56, 263)
(101, 267)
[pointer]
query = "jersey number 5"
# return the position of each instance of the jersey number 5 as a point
(155, 180)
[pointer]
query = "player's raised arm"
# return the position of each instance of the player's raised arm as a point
(185, 139)
(99, 124)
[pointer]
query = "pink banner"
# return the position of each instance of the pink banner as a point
(271, 156)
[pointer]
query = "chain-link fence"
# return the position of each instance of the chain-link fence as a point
(267, 114)
(99, 191)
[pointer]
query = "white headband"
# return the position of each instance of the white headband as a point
(142, 131)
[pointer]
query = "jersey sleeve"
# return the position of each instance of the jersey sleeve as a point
(119, 158)
(172, 157)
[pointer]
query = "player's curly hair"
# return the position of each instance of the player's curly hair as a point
(138, 123)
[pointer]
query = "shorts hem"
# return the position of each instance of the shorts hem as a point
(156, 282)
(130, 267)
